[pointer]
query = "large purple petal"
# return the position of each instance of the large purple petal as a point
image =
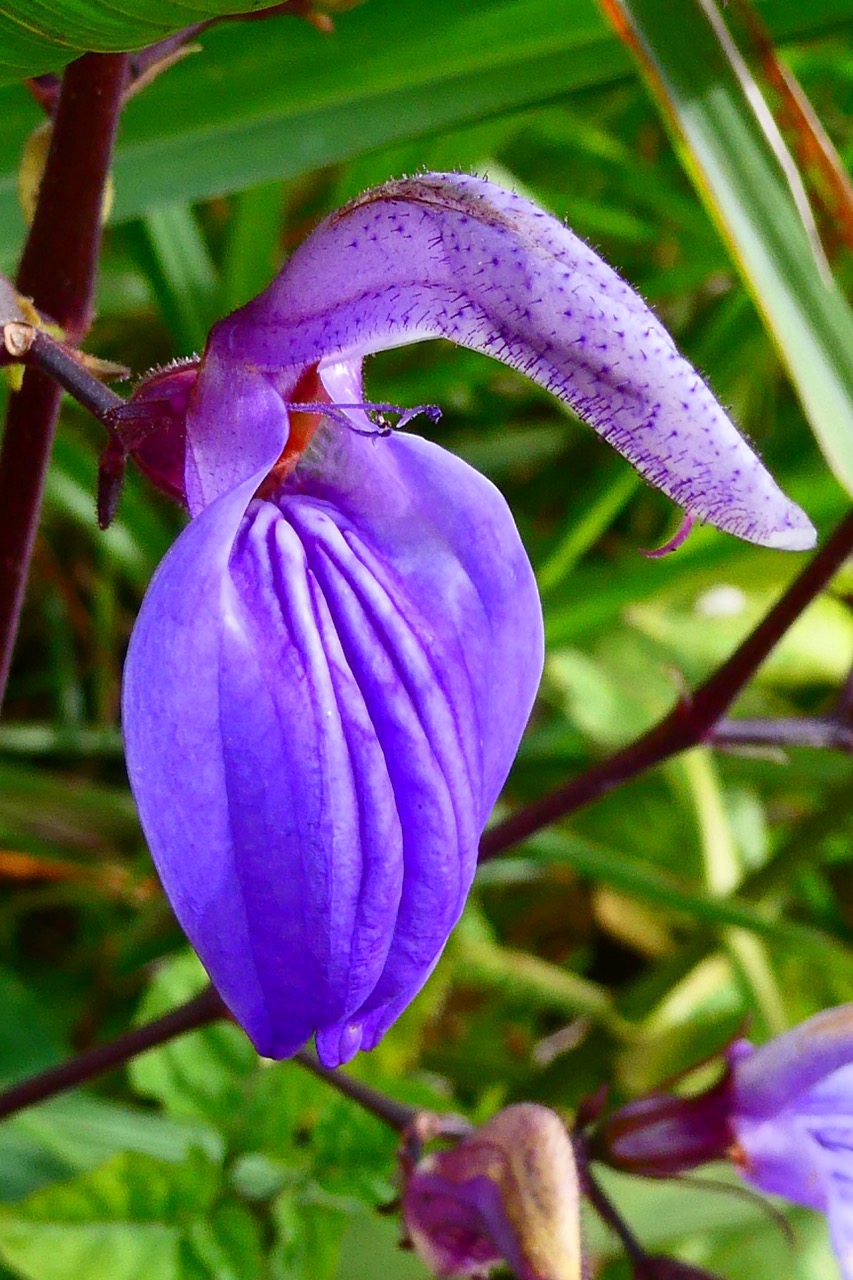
(350, 668)
(451, 256)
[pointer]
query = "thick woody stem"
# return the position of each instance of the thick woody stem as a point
(57, 271)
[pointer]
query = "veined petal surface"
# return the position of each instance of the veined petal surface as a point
(323, 696)
(805, 1153)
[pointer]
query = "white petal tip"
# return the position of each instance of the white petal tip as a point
(796, 537)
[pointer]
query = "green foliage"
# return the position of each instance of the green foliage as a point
(134, 1218)
(738, 170)
(41, 38)
(714, 891)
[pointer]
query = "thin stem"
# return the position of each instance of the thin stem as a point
(843, 710)
(62, 365)
(608, 1213)
(397, 1115)
(198, 1012)
(57, 271)
(786, 731)
(693, 720)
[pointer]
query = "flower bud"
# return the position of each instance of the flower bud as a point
(508, 1192)
(663, 1135)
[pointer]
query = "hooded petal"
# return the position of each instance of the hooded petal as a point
(350, 667)
(446, 255)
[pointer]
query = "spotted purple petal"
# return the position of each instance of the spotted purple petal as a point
(447, 255)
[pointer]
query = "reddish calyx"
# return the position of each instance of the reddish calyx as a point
(308, 390)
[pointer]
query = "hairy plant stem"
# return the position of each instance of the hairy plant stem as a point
(62, 365)
(693, 720)
(57, 271)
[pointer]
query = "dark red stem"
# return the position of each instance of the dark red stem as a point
(693, 720)
(205, 1008)
(397, 1115)
(825, 732)
(198, 1012)
(57, 271)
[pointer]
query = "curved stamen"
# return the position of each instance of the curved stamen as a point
(338, 412)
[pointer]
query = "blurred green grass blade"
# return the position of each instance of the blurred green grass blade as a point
(647, 884)
(610, 488)
(42, 738)
(749, 955)
(173, 254)
(252, 254)
(727, 152)
(277, 99)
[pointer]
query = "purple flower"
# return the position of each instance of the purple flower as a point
(508, 1192)
(333, 666)
(793, 1120)
(783, 1113)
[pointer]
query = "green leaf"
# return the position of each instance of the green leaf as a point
(310, 1231)
(323, 1138)
(708, 100)
(43, 37)
(228, 1243)
(83, 1132)
(201, 1074)
(125, 1221)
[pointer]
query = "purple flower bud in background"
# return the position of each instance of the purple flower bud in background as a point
(665, 1134)
(333, 666)
(508, 1192)
(793, 1120)
(783, 1113)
